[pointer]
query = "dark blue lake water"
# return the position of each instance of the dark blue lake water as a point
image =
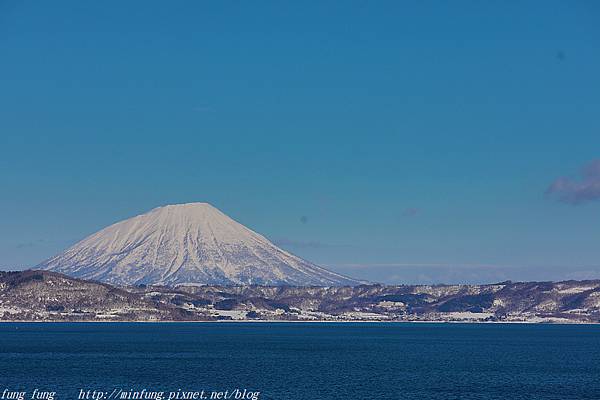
(306, 361)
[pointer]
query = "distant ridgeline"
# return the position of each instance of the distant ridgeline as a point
(50, 296)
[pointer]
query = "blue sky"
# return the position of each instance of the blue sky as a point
(392, 141)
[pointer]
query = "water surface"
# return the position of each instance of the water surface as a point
(307, 360)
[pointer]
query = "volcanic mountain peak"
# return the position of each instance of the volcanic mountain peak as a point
(191, 243)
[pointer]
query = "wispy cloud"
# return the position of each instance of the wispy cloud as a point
(310, 244)
(579, 190)
(31, 243)
(411, 212)
(437, 273)
(203, 109)
(411, 265)
(25, 245)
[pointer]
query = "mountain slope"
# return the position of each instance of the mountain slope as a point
(190, 243)
(48, 296)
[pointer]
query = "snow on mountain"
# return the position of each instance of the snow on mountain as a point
(190, 243)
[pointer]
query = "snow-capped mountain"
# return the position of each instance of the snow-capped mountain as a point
(190, 243)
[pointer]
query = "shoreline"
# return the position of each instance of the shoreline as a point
(300, 322)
